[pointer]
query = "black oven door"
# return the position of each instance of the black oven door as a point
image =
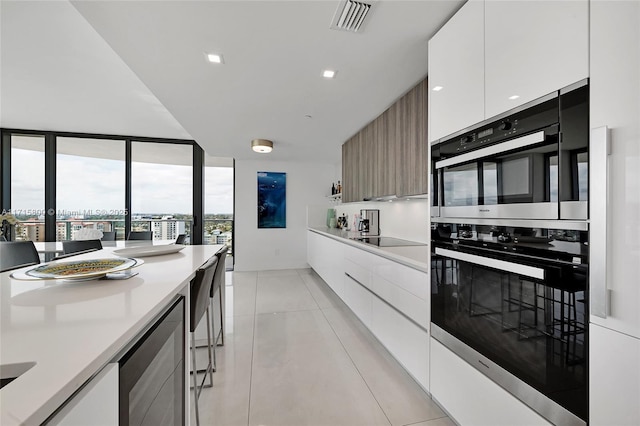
(526, 317)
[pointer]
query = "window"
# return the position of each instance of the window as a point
(90, 186)
(27, 186)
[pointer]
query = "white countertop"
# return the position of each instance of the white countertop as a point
(416, 257)
(72, 329)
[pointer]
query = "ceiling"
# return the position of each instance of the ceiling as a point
(139, 68)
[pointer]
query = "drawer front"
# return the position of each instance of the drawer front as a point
(358, 299)
(412, 306)
(360, 257)
(358, 272)
(407, 342)
(411, 280)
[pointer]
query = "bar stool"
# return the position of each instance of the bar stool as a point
(218, 285)
(199, 291)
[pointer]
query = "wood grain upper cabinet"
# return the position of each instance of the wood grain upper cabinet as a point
(411, 147)
(385, 140)
(456, 66)
(533, 48)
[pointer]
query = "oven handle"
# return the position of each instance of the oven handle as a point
(512, 144)
(599, 151)
(503, 265)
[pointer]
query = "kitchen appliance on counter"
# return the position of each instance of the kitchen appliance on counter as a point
(518, 305)
(529, 163)
(369, 222)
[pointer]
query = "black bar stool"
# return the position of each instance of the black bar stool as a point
(199, 291)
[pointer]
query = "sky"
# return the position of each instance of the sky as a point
(92, 184)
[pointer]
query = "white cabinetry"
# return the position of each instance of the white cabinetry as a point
(391, 299)
(95, 404)
(533, 48)
(325, 256)
(614, 341)
(470, 397)
(456, 64)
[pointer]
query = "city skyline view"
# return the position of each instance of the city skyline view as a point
(96, 185)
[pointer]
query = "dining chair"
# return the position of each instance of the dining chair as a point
(75, 253)
(181, 238)
(17, 254)
(199, 290)
(74, 246)
(140, 235)
(109, 235)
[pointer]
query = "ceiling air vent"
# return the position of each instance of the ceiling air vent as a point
(350, 15)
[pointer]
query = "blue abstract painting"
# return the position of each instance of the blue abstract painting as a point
(272, 200)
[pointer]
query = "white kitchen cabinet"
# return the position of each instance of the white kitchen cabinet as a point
(456, 66)
(533, 48)
(358, 299)
(614, 383)
(326, 257)
(407, 342)
(614, 341)
(470, 397)
(95, 404)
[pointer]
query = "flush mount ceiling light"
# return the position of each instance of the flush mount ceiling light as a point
(215, 58)
(328, 73)
(263, 146)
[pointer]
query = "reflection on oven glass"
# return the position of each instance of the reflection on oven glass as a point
(533, 324)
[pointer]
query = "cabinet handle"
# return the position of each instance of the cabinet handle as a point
(599, 151)
(503, 265)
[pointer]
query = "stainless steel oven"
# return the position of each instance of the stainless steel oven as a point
(530, 163)
(513, 302)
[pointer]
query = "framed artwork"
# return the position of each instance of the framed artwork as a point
(272, 200)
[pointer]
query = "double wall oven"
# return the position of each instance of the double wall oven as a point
(510, 253)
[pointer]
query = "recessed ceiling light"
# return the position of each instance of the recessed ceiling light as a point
(437, 88)
(308, 116)
(328, 74)
(215, 58)
(514, 97)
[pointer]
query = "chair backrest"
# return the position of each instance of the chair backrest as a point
(75, 253)
(199, 291)
(140, 235)
(109, 235)
(16, 254)
(181, 238)
(74, 246)
(218, 277)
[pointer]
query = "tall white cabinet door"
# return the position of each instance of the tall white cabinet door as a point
(614, 382)
(456, 65)
(533, 48)
(615, 102)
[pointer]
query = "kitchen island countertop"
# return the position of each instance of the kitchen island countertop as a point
(70, 330)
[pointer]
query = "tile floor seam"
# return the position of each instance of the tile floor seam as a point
(426, 421)
(356, 367)
(253, 345)
(286, 312)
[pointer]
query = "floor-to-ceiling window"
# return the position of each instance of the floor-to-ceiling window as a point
(28, 186)
(90, 186)
(218, 202)
(162, 189)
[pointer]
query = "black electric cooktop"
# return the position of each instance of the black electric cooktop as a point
(387, 241)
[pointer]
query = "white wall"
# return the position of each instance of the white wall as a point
(406, 219)
(264, 249)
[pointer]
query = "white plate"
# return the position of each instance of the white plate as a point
(145, 251)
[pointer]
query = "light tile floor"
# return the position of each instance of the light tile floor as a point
(294, 354)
